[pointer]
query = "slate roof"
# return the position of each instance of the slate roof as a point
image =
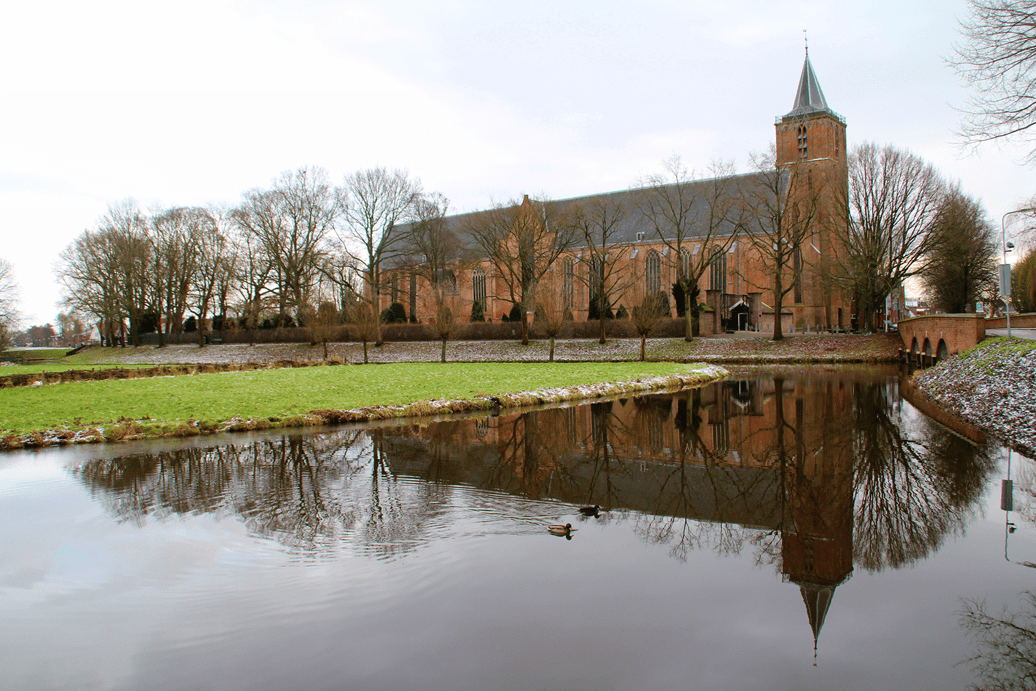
(634, 223)
(809, 97)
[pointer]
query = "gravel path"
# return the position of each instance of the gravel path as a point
(735, 348)
(993, 387)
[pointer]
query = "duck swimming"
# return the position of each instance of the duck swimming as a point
(590, 510)
(562, 530)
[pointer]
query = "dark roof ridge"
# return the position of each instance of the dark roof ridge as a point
(668, 184)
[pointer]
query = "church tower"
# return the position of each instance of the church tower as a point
(811, 142)
(811, 131)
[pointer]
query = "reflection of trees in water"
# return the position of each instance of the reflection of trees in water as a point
(1025, 488)
(1005, 645)
(833, 461)
(309, 492)
(914, 484)
(740, 464)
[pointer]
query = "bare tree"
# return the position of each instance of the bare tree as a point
(997, 59)
(552, 312)
(88, 270)
(292, 222)
(432, 248)
(253, 273)
(645, 317)
(522, 240)
(9, 315)
(445, 321)
(890, 205)
(176, 244)
(377, 205)
(364, 317)
(322, 323)
(599, 221)
(961, 264)
(1005, 644)
(685, 209)
(779, 213)
(214, 263)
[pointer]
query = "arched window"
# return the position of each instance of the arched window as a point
(569, 284)
(803, 144)
(653, 273)
(718, 267)
(685, 262)
(478, 287)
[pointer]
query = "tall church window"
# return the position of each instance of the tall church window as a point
(718, 270)
(797, 264)
(394, 289)
(569, 285)
(413, 297)
(653, 273)
(685, 262)
(803, 144)
(478, 287)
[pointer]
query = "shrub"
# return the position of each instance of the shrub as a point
(593, 313)
(515, 314)
(394, 314)
(478, 311)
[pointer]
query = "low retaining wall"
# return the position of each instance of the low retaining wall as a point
(1018, 321)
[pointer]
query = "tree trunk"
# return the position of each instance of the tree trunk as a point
(604, 335)
(444, 351)
(325, 349)
(643, 338)
(552, 348)
(688, 314)
(525, 327)
(201, 326)
(778, 307)
(365, 351)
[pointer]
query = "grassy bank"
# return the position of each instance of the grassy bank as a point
(177, 405)
(991, 386)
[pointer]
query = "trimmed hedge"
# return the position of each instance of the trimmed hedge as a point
(471, 331)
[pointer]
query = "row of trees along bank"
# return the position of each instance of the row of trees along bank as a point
(304, 247)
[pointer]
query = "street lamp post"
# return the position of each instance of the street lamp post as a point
(1003, 239)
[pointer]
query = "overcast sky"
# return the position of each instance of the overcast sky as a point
(192, 102)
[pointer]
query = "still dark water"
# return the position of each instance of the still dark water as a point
(810, 530)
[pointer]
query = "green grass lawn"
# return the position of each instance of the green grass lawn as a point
(55, 360)
(215, 398)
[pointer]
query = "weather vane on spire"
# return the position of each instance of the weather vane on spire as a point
(805, 38)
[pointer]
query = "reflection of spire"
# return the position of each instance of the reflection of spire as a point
(817, 599)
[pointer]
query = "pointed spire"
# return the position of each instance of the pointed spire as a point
(809, 98)
(818, 600)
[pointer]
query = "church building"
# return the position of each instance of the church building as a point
(800, 190)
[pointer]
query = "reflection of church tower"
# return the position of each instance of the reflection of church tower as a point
(811, 137)
(817, 538)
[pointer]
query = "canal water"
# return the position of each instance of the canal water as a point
(791, 529)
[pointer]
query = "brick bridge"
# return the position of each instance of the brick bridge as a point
(937, 336)
(940, 335)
